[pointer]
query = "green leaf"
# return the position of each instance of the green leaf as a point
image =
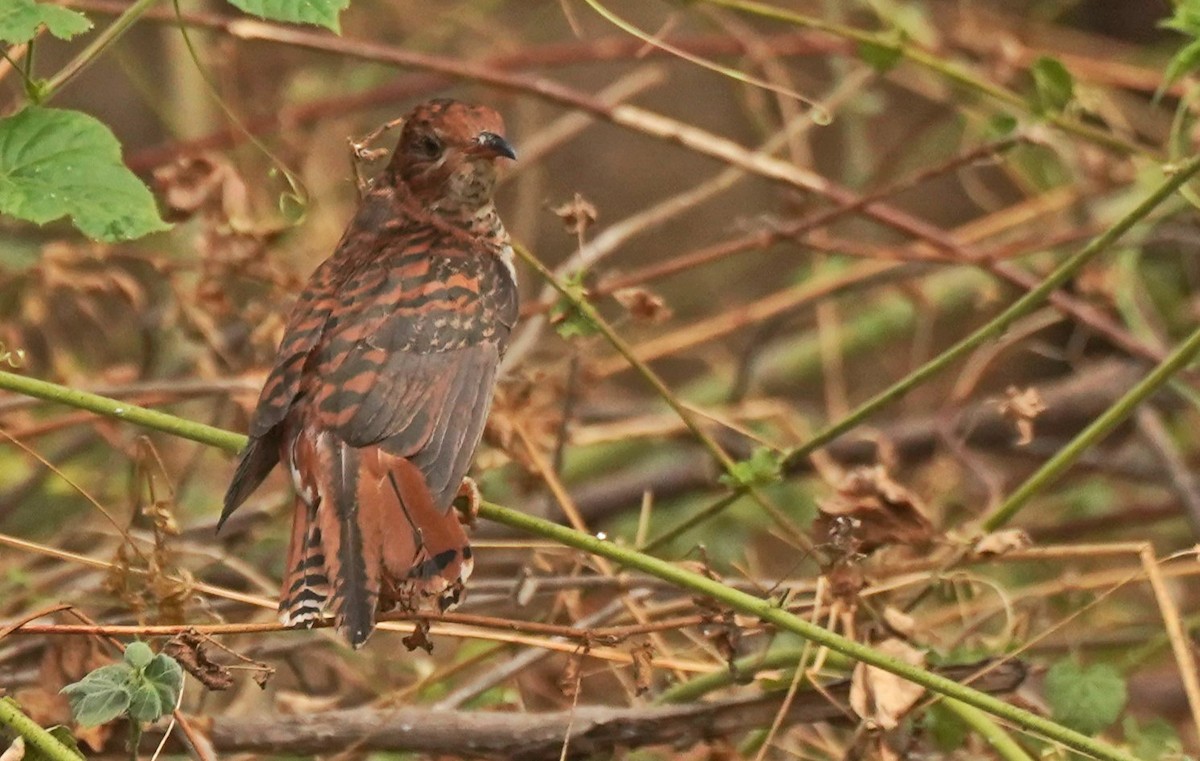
(761, 469)
(1184, 62)
(102, 695)
(945, 728)
(320, 12)
(145, 702)
(881, 56)
(1086, 699)
(1053, 86)
(55, 163)
(138, 655)
(20, 19)
(1153, 740)
(1000, 126)
(166, 675)
(566, 318)
(1186, 18)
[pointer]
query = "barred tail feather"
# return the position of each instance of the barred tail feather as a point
(305, 585)
(366, 532)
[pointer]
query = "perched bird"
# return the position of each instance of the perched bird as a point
(383, 380)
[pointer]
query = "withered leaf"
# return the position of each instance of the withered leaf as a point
(568, 682)
(1002, 542)
(188, 648)
(419, 637)
(15, 751)
(643, 304)
(643, 670)
(886, 512)
(203, 183)
(577, 215)
(1022, 408)
(880, 696)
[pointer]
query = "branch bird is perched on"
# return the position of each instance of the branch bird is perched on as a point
(381, 388)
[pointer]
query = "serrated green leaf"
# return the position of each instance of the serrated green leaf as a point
(880, 56)
(1086, 699)
(760, 469)
(20, 19)
(138, 655)
(320, 12)
(166, 675)
(102, 695)
(1054, 87)
(145, 702)
(55, 163)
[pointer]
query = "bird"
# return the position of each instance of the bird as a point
(380, 391)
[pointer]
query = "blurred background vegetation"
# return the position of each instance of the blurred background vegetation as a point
(778, 245)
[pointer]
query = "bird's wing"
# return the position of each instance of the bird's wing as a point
(409, 361)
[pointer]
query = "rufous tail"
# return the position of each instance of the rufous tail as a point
(366, 535)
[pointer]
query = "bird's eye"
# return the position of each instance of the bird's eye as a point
(428, 145)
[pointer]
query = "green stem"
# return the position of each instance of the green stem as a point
(743, 668)
(949, 71)
(766, 611)
(1006, 747)
(1097, 430)
(727, 463)
(996, 326)
(88, 55)
(735, 599)
(102, 405)
(37, 737)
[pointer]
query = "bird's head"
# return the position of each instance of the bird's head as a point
(447, 155)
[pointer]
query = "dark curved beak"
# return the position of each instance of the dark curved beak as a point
(492, 145)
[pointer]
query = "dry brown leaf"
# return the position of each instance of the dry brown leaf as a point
(875, 510)
(96, 737)
(643, 304)
(568, 682)
(1002, 542)
(45, 705)
(577, 215)
(643, 671)
(1022, 408)
(188, 648)
(298, 703)
(880, 696)
(419, 637)
(900, 621)
(15, 751)
(209, 184)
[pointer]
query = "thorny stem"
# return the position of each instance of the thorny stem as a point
(767, 611)
(102, 405)
(747, 604)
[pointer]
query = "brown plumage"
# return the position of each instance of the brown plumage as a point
(383, 380)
